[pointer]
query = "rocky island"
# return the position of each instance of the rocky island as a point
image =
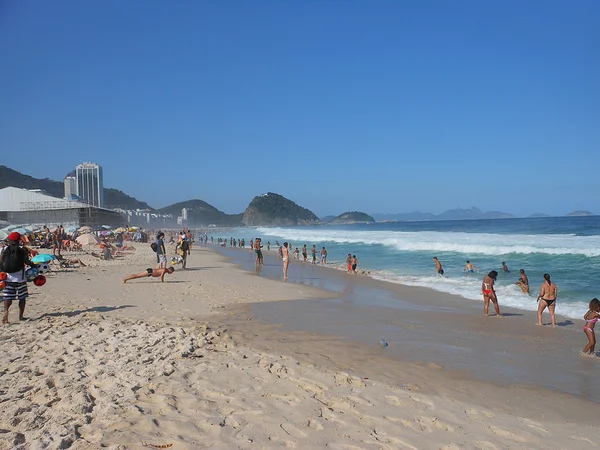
(272, 209)
(351, 217)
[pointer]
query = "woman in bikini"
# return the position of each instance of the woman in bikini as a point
(487, 289)
(547, 298)
(591, 317)
(285, 254)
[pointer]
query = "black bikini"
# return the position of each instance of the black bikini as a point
(549, 302)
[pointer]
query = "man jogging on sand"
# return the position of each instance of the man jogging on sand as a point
(156, 273)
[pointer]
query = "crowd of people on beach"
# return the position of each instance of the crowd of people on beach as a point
(112, 244)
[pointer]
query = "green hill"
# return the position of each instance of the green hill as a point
(201, 213)
(352, 217)
(272, 209)
(113, 198)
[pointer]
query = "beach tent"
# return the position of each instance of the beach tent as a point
(88, 239)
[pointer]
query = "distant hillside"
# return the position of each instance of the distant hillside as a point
(326, 219)
(201, 213)
(536, 215)
(352, 217)
(272, 209)
(453, 214)
(580, 213)
(113, 198)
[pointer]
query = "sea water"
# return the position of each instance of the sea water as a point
(568, 248)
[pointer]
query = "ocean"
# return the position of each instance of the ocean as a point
(568, 248)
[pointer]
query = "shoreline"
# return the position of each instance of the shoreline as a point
(186, 363)
(422, 325)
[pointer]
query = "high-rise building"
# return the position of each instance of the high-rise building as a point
(70, 183)
(90, 185)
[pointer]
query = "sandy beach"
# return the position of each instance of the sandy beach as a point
(211, 359)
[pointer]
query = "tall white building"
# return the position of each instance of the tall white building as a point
(184, 214)
(70, 186)
(90, 185)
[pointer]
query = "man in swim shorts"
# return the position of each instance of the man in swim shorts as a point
(156, 273)
(349, 262)
(438, 266)
(323, 256)
(489, 294)
(469, 267)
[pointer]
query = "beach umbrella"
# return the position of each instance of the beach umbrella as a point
(88, 239)
(44, 258)
(3, 234)
(105, 233)
(22, 230)
(121, 230)
(85, 229)
(107, 227)
(9, 228)
(71, 229)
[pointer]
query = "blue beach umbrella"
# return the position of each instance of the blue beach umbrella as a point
(71, 229)
(44, 258)
(22, 230)
(9, 228)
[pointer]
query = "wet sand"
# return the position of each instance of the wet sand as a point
(424, 326)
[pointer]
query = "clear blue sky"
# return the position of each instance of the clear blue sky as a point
(377, 106)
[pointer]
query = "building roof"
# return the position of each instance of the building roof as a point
(17, 199)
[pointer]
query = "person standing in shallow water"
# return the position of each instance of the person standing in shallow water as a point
(489, 294)
(438, 266)
(286, 260)
(547, 298)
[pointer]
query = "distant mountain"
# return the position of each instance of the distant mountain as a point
(201, 213)
(413, 216)
(352, 217)
(453, 214)
(580, 213)
(272, 209)
(113, 198)
(533, 216)
(327, 219)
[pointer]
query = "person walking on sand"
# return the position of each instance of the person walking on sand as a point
(304, 254)
(591, 317)
(156, 273)
(489, 294)
(523, 282)
(354, 264)
(547, 298)
(349, 262)
(438, 266)
(297, 254)
(313, 252)
(286, 260)
(323, 256)
(161, 251)
(470, 267)
(13, 259)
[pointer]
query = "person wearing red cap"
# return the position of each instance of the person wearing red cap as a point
(13, 259)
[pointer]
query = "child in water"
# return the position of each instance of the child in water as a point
(591, 317)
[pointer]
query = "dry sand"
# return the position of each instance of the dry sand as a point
(102, 364)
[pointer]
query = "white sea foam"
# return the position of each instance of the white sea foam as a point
(458, 242)
(470, 288)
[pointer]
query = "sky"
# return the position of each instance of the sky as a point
(340, 105)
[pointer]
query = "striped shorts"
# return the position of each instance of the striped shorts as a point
(15, 291)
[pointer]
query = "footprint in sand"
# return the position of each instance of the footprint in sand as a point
(538, 427)
(510, 435)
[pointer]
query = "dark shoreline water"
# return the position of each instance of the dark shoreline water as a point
(422, 325)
